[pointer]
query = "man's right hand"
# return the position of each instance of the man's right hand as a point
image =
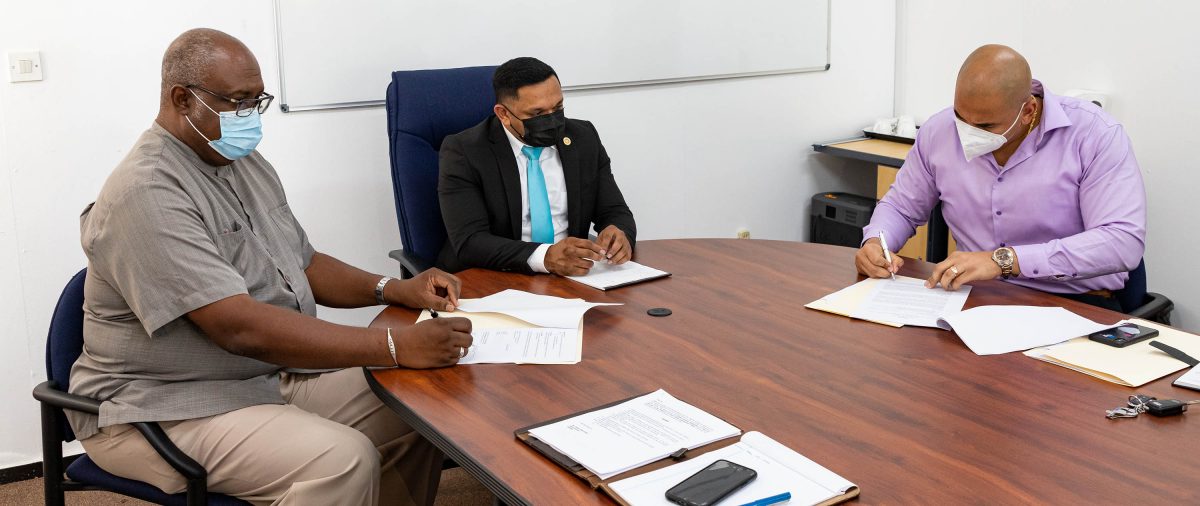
(871, 262)
(569, 256)
(436, 342)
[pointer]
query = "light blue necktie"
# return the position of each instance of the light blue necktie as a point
(541, 228)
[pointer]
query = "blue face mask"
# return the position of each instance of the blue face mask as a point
(239, 135)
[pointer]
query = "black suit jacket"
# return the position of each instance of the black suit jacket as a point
(479, 188)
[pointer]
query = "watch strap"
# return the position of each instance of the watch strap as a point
(379, 290)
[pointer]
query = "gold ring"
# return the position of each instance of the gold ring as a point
(954, 270)
(462, 352)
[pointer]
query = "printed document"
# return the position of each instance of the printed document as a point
(906, 301)
(507, 339)
(634, 433)
(523, 346)
(780, 469)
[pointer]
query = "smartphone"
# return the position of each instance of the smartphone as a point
(711, 484)
(1123, 335)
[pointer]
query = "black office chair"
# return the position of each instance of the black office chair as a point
(63, 347)
(423, 107)
(1136, 301)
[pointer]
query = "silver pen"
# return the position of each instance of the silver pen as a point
(887, 254)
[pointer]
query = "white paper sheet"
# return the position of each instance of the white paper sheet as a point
(779, 468)
(990, 330)
(523, 346)
(906, 301)
(634, 433)
(541, 310)
(1190, 379)
(604, 275)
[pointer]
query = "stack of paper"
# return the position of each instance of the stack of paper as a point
(606, 276)
(988, 330)
(632, 434)
(779, 468)
(1132, 366)
(898, 302)
(515, 327)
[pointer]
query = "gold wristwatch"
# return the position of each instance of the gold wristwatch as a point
(1004, 257)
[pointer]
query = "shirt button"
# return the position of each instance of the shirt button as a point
(1003, 245)
(1000, 179)
(998, 213)
(1035, 271)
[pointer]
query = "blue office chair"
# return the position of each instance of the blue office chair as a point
(63, 346)
(1136, 301)
(423, 107)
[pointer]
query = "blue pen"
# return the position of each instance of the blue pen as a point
(767, 501)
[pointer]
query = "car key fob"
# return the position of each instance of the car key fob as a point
(1166, 407)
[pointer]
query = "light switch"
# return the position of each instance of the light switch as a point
(25, 66)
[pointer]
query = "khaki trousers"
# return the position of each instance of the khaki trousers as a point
(334, 442)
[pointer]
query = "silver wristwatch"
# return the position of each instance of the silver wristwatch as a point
(1004, 257)
(379, 290)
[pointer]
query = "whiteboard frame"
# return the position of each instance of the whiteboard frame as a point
(285, 107)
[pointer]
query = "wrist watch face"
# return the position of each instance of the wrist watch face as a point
(1003, 256)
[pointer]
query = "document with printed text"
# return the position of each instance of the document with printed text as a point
(898, 302)
(634, 433)
(523, 346)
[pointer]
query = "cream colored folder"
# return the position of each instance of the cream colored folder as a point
(1132, 366)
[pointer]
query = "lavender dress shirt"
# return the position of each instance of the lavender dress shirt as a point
(1070, 200)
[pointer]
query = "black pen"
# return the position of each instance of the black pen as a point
(433, 313)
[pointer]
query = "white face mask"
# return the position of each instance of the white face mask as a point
(977, 141)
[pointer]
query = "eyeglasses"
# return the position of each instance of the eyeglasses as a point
(244, 106)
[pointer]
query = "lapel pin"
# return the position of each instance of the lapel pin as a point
(566, 141)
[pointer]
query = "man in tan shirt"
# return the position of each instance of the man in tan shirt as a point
(199, 309)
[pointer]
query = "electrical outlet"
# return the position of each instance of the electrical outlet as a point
(743, 233)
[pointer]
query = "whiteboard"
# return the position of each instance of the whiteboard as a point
(342, 53)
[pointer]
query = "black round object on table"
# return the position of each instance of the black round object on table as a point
(658, 311)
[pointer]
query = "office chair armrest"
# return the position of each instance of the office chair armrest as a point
(181, 462)
(45, 392)
(192, 471)
(1155, 304)
(410, 265)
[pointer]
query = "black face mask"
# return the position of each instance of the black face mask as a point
(543, 131)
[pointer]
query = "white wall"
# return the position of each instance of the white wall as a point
(1144, 55)
(694, 160)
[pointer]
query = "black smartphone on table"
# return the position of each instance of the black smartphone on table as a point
(711, 484)
(1123, 335)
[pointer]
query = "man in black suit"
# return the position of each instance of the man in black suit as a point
(520, 190)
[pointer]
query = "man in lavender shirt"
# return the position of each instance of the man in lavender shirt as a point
(1038, 189)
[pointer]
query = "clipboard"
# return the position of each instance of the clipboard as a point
(593, 481)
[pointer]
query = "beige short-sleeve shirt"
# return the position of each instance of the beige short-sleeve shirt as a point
(169, 234)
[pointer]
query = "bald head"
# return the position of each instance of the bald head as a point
(205, 73)
(197, 54)
(994, 73)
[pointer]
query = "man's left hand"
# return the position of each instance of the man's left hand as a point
(432, 289)
(616, 246)
(962, 267)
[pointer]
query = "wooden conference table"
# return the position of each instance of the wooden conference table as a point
(910, 415)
